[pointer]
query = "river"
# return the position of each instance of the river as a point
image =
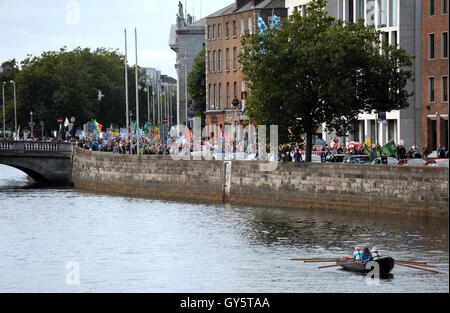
(119, 244)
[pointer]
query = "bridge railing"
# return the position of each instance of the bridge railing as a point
(35, 146)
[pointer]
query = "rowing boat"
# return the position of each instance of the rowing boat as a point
(386, 265)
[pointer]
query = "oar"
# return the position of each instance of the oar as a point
(322, 261)
(328, 266)
(414, 263)
(419, 268)
(313, 259)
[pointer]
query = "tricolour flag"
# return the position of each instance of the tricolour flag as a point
(367, 146)
(66, 122)
(389, 149)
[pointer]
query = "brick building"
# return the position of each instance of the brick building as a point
(226, 88)
(434, 75)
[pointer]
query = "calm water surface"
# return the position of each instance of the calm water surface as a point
(137, 245)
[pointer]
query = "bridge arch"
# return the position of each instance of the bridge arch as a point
(48, 163)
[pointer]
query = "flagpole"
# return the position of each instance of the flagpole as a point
(137, 96)
(126, 88)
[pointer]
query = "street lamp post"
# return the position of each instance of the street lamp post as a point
(15, 110)
(137, 94)
(147, 82)
(126, 88)
(31, 123)
(42, 123)
(4, 119)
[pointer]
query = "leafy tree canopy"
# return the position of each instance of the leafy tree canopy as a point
(315, 69)
(197, 83)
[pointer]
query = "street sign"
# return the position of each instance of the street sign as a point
(165, 121)
(32, 124)
(42, 123)
(60, 120)
(72, 119)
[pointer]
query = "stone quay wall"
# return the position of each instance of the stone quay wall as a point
(413, 191)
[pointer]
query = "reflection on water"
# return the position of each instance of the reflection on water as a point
(138, 245)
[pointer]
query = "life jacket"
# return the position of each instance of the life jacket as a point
(367, 257)
(358, 255)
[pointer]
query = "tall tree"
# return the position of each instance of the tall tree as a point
(197, 84)
(66, 83)
(315, 69)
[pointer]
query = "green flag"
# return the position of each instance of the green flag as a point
(389, 149)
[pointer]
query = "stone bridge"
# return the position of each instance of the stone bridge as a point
(48, 163)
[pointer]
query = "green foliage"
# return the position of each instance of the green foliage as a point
(197, 83)
(66, 83)
(316, 69)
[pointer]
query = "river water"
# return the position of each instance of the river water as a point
(63, 240)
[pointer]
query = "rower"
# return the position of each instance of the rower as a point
(357, 254)
(376, 254)
(366, 256)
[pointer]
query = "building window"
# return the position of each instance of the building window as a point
(219, 31)
(431, 7)
(235, 90)
(444, 6)
(209, 61)
(444, 45)
(209, 96)
(214, 96)
(209, 32)
(430, 46)
(370, 13)
(250, 25)
(227, 56)
(350, 11)
(214, 32)
(234, 29)
(382, 19)
(393, 13)
(242, 27)
(219, 61)
(214, 61)
(431, 89)
(228, 95)
(227, 30)
(444, 88)
(235, 59)
(394, 38)
(359, 9)
(220, 95)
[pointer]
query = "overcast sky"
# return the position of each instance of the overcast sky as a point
(34, 26)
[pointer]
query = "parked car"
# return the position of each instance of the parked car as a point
(436, 163)
(391, 161)
(336, 158)
(357, 159)
(411, 162)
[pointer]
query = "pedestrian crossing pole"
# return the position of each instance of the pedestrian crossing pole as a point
(137, 95)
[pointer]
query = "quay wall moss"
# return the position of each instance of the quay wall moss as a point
(413, 191)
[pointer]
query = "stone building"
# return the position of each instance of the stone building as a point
(434, 76)
(187, 39)
(226, 88)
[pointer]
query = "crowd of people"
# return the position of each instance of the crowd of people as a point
(294, 152)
